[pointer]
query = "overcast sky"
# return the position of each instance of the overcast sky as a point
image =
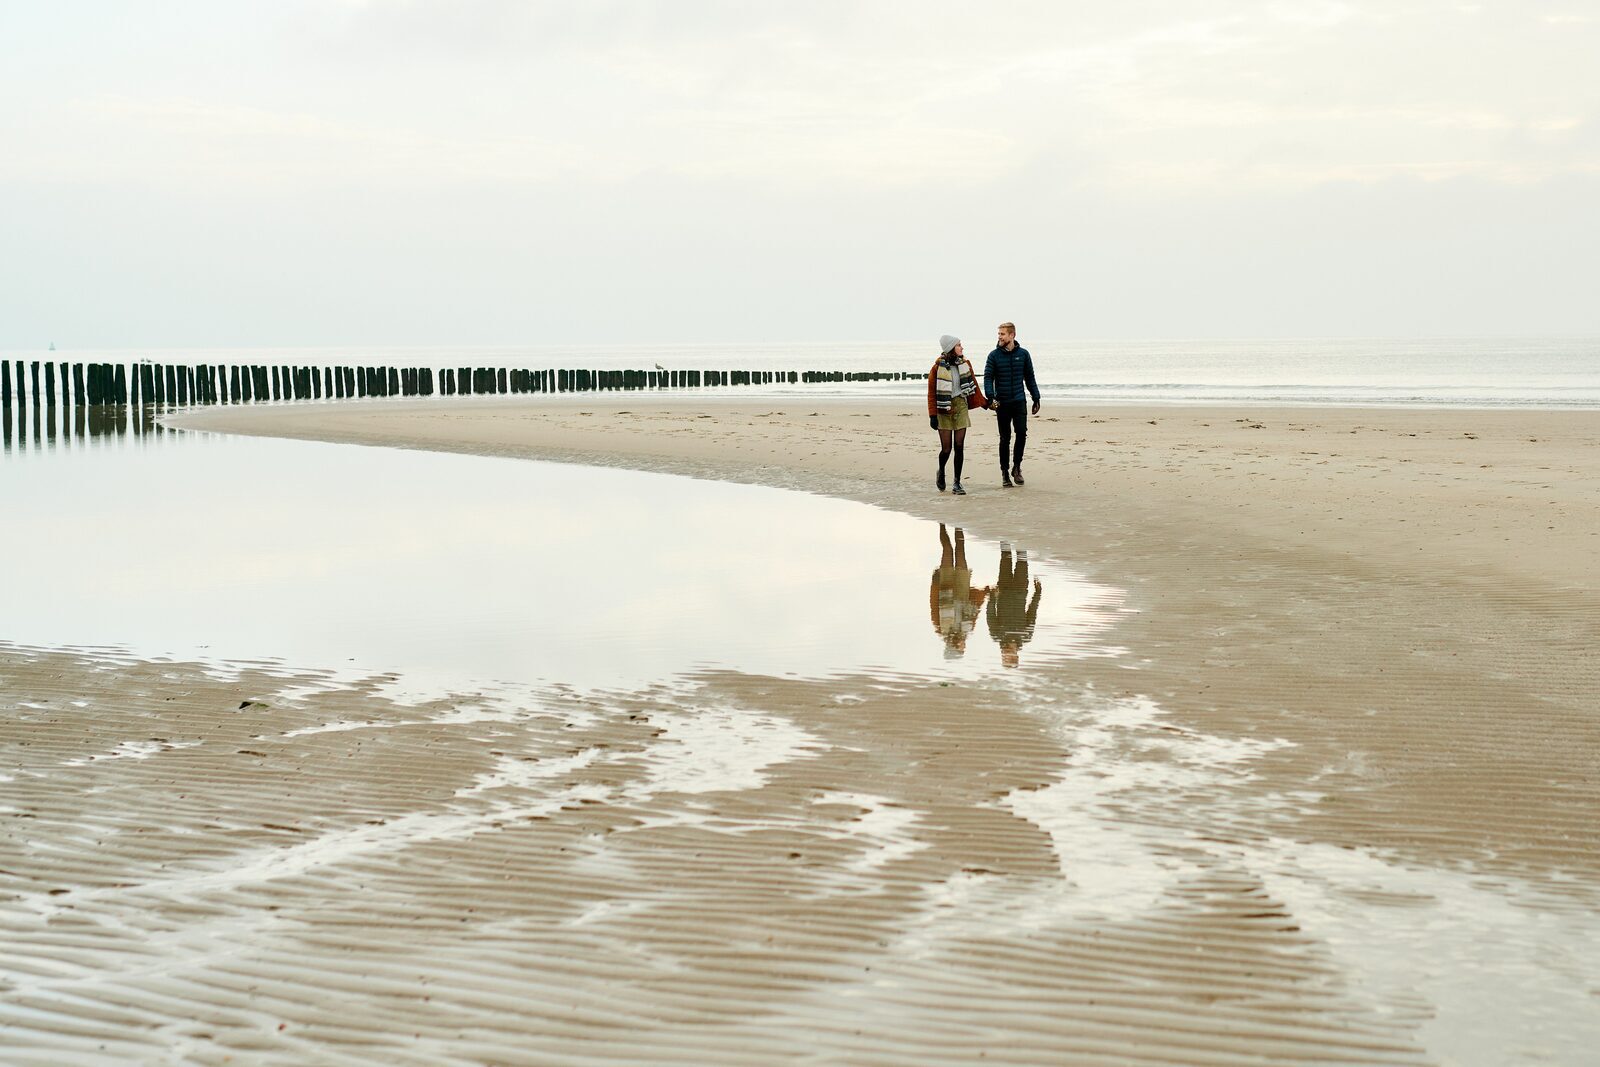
(490, 172)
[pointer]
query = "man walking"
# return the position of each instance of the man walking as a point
(1008, 371)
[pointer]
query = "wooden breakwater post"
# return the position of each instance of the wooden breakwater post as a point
(5, 403)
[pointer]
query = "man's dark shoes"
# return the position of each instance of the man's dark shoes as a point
(1005, 480)
(956, 490)
(939, 481)
(1016, 475)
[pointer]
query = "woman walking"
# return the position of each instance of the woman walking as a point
(952, 392)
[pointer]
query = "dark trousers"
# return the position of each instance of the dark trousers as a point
(1013, 415)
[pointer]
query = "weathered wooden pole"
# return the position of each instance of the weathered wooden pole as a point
(50, 384)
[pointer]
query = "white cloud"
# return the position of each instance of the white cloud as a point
(785, 139)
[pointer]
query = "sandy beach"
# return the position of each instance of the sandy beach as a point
(1332, 801)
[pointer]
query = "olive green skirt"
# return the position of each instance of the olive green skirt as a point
(958, 419)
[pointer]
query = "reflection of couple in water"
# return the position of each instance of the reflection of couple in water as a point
(954, 603)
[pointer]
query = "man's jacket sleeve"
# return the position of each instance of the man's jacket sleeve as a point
(988, 375)
(1027, 376)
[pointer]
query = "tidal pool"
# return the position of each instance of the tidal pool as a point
(451, 570)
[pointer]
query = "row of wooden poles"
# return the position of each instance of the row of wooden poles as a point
(95, 384)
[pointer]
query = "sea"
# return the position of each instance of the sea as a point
(1513, 372)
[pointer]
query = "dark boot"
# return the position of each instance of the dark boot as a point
(1016, 474)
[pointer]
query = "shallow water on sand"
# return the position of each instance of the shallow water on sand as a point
(671, 778)
(451, 571)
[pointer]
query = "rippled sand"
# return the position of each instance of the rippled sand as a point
(1335, 803)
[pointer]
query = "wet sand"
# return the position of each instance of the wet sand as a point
(1335, 803)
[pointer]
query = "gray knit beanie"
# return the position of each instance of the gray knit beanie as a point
(946, 343)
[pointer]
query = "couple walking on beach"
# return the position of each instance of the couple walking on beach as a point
(953, 390)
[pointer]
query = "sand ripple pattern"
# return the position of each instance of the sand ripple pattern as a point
(200, 865)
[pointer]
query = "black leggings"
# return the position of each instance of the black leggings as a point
(1013, 414)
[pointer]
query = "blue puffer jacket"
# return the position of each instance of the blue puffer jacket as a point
(1007, 374)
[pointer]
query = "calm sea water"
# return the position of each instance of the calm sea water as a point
(1484, 372)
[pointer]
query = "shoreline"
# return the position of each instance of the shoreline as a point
(1325, 791)
(1403, 572)
(1546, 463)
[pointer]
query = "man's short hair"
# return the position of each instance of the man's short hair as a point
(1007, 326)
